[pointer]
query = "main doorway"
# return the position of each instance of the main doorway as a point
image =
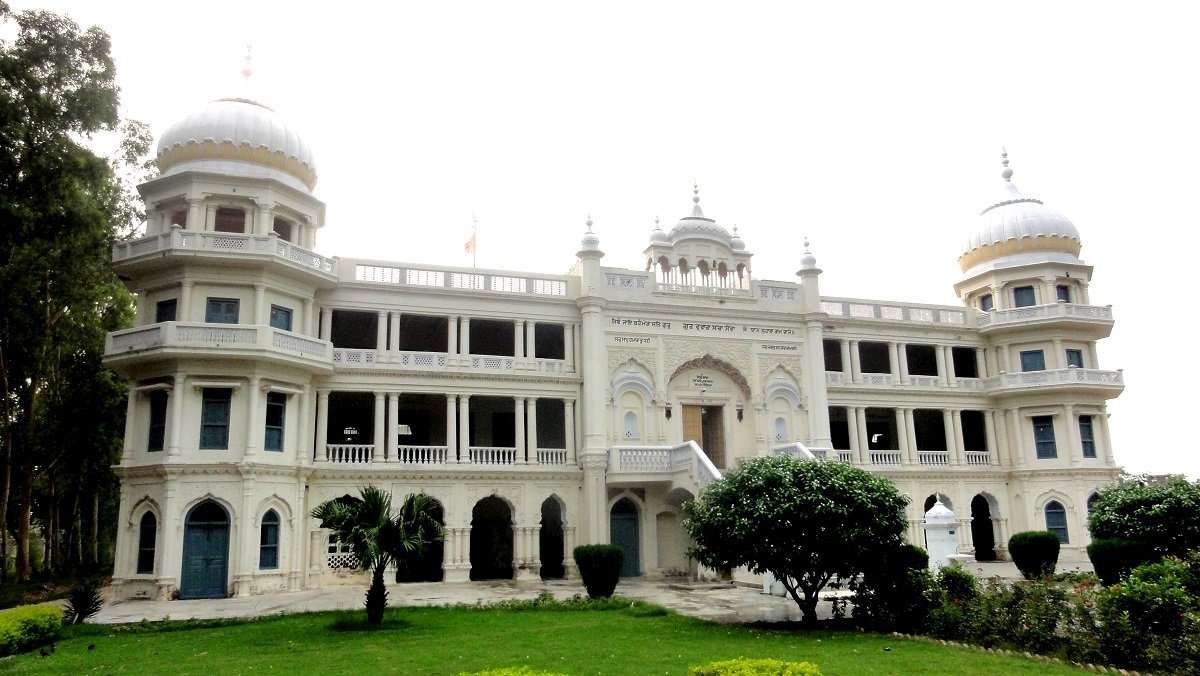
(491, 540)
(624, 533)
(705, 425)
(205, 553)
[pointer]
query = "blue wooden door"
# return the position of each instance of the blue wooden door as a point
(623, 531)
(205, 554)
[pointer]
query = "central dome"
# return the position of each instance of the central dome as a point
(240, 137)
(1017, 229)
(697, 225)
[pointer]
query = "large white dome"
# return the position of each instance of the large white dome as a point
(698, 226)
(1017, 229)
(240, 137)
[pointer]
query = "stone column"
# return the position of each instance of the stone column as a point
(185, 302)
(818, 395)
(378, 435)
(960, 446)
(902, 354)
(452, 332)
(910, 436)
(381, 331)
(261, 315)
(130, 426)
(894, 362)
(852, 429)
(569, 345)
(175, 426)
(451, 428)
(532, 435)
(855, 362)
(307, 327)
(464, 428)
(948, 431)
(531, 340)
(1106, 454)
(989, 431)
(595, 442)
(519, 338)
(303, 447)
(210, 217)
(141, 312)
(195, 214)
(264, 221)
(465, 336)
(569, 429)
(1074, 445)
(243, 571)
(902, 418)
(255, 429)
(1049, 291)
(1002, 358)
(519, 415)
(326, 323)
(393, 436)
(1016, 440)
(951, 376)
(981, 369)
(322, 425)
(847, 371)
(394, 337)
(943, 369)
(864, 439)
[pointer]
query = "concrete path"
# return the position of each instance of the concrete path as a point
(715, 602)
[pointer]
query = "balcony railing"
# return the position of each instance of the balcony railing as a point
(350, 358)
(1039, 313)
(933, 457)
(492, 455)
(669, 462)
(179, 240)
(421, 455)
(799, 450)
(552, 456)
(350, 454)
(206, 335)
(977, 457)
(848, 308)
(846, 457)
(1055, 377)
(886, 457)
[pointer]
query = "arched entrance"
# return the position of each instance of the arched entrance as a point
(712, 396)
(205, 553)
(550, 540)
(982, 533)
(625, 533)
(491, 540)
(425, 565)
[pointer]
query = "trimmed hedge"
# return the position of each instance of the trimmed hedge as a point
(744, 666)
(1113, 558)
(600, 568)
(27, 627)
(1035, 552)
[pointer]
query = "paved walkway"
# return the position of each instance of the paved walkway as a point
(715, 602)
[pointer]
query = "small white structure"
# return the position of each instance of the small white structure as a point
(941, 536)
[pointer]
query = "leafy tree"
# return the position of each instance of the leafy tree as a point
(805, 522)
(377, 537)
(1165, 517)
(61, 208)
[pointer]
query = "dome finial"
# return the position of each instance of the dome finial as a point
(247, 63)
(1006, 173)
(807, 246)
(589, 221)
(696, 212)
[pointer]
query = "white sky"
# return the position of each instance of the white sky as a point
(873, 128)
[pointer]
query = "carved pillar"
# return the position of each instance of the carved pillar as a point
(464, 428)
(532, 435)
(939, 352)
(303, 446)
(855, 362)
(818, 395)
(989, 430)
(381, 331)
(569, 424)
(326, 323)
(1016, 440)
(261, 315)
(254, 424)
(308, 327)
(195, 214)
(185, 301)
(959, 443)
(894, 362)
(322, 425)
(902, 353)
(519, 423)
(864, 440)
(519, 338)
(377, 450)
(451, 428)
(569, 345)
(1074, 445)
(175, 428)
(393, 435)
(531, 339)
(452, 343)
(464, 340)
(394, 335)
(130, 426)
(981, 363)
(847, 372)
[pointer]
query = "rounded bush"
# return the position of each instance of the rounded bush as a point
(745, 666)
(27, 627)
(1113, 558)
(911, 557)
(959, 584)
(600, 568)
(1035, 552)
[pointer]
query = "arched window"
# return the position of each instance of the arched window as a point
(631, 425)
(780, 429)
(1056, 520)
(268, 541)
(147, 534)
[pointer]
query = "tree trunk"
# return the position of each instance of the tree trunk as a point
(809, 608)
(25, 505)
(376, 596)
(95, 530)
(5, 490)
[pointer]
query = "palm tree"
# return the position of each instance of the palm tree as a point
(378, 538)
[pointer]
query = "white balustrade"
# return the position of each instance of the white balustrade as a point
(461, 279)
(303, 345)
(870, 310)
(350, 453)
(798, 450)
(434, 361)
(222, 242)
(421, 455)
(141, 338)
(1067, 376)
(977, 457)
(700, 290)
(846, 457)
(491, 363)
(344, 356)
(876, 379)
(933, 457)
(686, 458)
(886, 457)
(493, 455)
(923, 381)
(211, 335)
(642, 459)
(552, 456)
(835, 378)
(1044, 312)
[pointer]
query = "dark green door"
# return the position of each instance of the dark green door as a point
(205, 553)
(623, 531)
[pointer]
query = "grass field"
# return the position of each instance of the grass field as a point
(632, 640)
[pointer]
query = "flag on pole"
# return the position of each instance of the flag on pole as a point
(469, 247)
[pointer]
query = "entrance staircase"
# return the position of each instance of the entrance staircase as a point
(683, 466)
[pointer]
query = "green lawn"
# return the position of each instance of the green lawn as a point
(449, 641)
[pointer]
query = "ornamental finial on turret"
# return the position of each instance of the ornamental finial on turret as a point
(247, 63)
(1006, 173)
(696, 212)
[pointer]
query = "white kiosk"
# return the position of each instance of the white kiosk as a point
(941, 537)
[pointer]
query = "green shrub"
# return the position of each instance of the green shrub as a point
(960, 585)
(512, 671)
(83, 602)
(27, 627)
(744, 666)
(1151, 620)
(1113, 558)
(894, 592)
(1164, 516)
(950, 602)
(1035, 552)
(600, 568)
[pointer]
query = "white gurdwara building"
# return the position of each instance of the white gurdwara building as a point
(545, 411)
